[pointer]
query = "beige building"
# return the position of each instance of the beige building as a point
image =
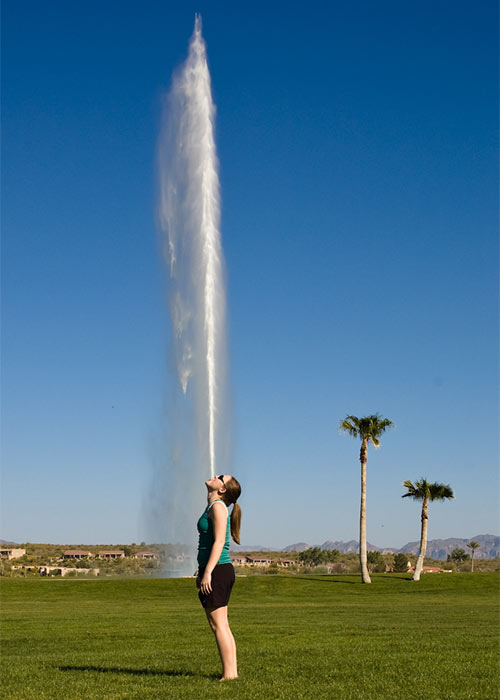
(285, 562)
(146, 555)
(261, 561)
(112, 554)
(77, 554)
(11, 553)
(238, 559)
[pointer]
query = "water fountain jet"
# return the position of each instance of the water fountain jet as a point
(189, 221)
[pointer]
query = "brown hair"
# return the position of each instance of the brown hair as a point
(231, 495)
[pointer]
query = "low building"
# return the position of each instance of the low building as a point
(260, 561)
(431, 570)
(12, 552)
(77, 554)
(112, 554)
(244, 560)
(146, 555)
(238, 559)
(284, 562)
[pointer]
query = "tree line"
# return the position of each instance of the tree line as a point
(315, 556)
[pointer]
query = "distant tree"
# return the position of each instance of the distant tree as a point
(400, 562)
(312, 556)
(367, 429)
(458, 556)
(424, 491)
(473, 545)
(330, 555)
(375, 561)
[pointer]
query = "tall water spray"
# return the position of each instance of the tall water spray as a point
(189, 217)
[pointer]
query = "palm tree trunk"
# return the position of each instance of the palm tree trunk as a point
(362, 514)
(472, 562)
(423, 540)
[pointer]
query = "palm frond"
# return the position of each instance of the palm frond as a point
(349, 426)
(424, 489)
(369, 427)
(412, 491)
(438, 492)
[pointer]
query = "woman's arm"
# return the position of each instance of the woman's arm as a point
(218, 515)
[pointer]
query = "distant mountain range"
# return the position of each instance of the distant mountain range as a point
(436, 549)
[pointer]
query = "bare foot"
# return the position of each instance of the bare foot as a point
(227, 678)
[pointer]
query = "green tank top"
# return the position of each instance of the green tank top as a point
(206, 538)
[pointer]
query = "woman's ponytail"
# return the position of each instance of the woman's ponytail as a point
(235, 523)
(230, 496)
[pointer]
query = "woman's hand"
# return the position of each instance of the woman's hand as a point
(206, 584)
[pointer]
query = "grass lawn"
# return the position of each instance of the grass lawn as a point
(297, 636)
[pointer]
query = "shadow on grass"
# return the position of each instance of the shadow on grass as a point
(354, 583)
(321, 580)
(136, 671)
(398, 578)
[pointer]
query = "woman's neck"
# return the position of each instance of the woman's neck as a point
(213, 496)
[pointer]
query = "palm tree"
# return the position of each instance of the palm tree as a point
(368, 429)
(473, 545)
(424, 491)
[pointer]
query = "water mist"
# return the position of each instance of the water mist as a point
(189, 219)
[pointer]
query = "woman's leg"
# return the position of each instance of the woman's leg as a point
(217, 619)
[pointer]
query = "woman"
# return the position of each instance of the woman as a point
(215, 571)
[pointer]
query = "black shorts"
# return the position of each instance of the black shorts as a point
(222, 584)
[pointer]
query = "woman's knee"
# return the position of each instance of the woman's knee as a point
(212, 624)
(217, 618)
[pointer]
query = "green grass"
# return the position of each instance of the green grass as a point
(297, 637)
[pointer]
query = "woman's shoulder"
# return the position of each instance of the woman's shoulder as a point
(217, 507)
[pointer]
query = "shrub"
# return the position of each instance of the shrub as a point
(400, 562)
(321, 570)
(376, 561)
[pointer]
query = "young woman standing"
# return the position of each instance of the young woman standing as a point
(215, 571)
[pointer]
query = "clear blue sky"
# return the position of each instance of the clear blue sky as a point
(359, 149)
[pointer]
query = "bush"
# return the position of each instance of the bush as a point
(271, 569)
(330, 555)
(339, 567)
(400, 562)
(312, 556)
(458, 556)
(376, 562)
(321, 570)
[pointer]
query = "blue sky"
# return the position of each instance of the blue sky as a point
(358, 146)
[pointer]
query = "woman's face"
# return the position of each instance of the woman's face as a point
(218, 482)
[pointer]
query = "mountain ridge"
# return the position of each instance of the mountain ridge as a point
(436, 549)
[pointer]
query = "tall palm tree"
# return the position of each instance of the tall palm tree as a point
(424, 491)
(368, 429)
(473, 545)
